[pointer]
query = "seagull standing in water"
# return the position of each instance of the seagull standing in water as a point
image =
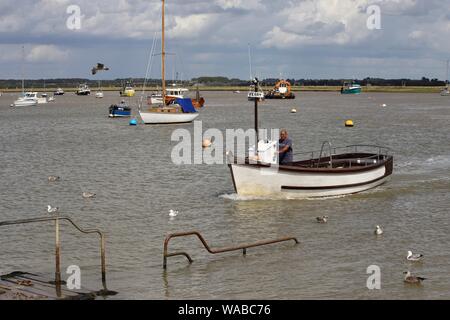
(51, 209)
(323, 219)
(409, 278)
(88, 195)
(379, 231)
(414, 256)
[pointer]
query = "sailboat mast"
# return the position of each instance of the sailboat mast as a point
(23, 75)
(163, 56)
(446, 80)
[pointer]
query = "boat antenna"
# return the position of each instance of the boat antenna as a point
(250, 61)
(163, 56)
(256, 83)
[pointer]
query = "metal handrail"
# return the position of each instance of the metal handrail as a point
(321, 150)
(57, 245)
(243, 247)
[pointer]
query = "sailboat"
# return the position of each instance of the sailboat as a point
(99, 94)
(329, 172)
(180, 110)
(26, 99)
(446, 92)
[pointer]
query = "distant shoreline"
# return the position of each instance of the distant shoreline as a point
(366, 89)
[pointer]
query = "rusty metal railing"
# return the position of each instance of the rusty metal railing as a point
(58, 281)
(243, 247)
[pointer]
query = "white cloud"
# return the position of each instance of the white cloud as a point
(47, 53)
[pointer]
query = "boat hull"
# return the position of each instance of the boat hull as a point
(297, 183)
(167, 118)
(352, 91)
(26, 103)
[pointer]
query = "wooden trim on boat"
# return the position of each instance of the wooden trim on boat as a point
(388, 162)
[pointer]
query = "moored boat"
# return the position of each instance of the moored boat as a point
(83, 90)
(28, 99)
(167, 110)
(59, 92)
(119, 110)
(281, 90)
(127, 90)
(351, 88)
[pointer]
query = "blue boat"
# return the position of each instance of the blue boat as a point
(119, 110)
(351, 88)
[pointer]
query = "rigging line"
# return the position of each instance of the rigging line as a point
(149, 66)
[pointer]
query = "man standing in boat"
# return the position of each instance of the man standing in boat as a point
(285, 151)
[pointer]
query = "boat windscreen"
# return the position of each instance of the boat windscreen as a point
(186, 105)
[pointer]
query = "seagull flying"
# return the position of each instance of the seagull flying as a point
(323, 219)
(379, 231)
(99, 67)
(51, 209)
(414, 256)
(173, 213)
(412, 279)
(88, 195)
(54, 178)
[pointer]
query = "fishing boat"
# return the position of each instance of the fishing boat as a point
(178, 110)
(329, 172)
(119, 110)
(281, 90)
(83, 90)
(59, 92)
(27, 99)
(127, 90)
(351, 88)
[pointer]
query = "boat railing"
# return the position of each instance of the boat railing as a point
(317, 158)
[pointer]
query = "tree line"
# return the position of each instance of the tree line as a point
(214, 81)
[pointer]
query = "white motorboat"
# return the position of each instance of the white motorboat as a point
(83, 90)
(99, 94)
(28, 99)
(59, 92)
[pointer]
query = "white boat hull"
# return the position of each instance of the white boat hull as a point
(257, 181)
(25, 103)
(165, 118)
(42, 101)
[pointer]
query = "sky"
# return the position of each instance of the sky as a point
(308, 39)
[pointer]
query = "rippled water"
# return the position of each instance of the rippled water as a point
(130, 170)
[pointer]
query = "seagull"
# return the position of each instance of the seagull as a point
(414, 256)
(99, 67)
(51, 209)
(173, 213)
(88, 195)
(379, 231)
(412, 279)
(323, 219)
(54, 178)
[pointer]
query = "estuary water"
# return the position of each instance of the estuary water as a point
(136, 183)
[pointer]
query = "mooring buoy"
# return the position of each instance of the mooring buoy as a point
(133, 122)
(349, 123)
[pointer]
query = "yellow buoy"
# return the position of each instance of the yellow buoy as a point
(349, 123)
